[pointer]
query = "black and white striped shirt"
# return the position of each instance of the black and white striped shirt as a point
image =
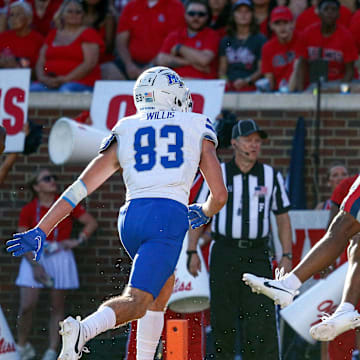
(251, 197)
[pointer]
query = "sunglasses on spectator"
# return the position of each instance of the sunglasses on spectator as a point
(196, 13)
(48, 178)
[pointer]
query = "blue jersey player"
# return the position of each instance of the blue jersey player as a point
(158, 151)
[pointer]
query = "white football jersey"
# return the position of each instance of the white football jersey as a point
(159, 152)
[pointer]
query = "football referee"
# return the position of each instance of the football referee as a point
(241, 233)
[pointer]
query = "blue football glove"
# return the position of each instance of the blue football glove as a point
(32, 240)
(196, 216)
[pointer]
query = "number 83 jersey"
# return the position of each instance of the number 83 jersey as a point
(159, 152)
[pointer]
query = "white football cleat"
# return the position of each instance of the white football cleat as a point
(334, 325)
(72, 339)
(274, 289)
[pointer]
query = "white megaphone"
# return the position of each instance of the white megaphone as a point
(190, 294)
(73, 142)
(7, 343)
(308, 308)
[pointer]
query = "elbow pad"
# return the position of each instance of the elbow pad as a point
(75, 193)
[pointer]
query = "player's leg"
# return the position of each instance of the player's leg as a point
(330, 247)
(56, 314)
(28, 300)
(150, 326)
(166, 232)
(342, 228)
(322, 255)
(345, 317)
(351, 292)
(153, 264)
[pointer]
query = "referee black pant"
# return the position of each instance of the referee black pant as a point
(233, 302)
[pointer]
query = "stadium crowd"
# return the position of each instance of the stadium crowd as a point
(264, 45)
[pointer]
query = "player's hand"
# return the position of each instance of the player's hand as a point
(32, 240)
(196, 216)
(193, 264)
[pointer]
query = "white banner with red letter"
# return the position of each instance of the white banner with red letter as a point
(113, 100)
(14, 99)
(308, 226)
(7, 343)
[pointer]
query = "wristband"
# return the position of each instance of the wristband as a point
(190, 252)
(288, 255)
(75, 193)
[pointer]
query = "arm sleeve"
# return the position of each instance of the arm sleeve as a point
(92, 36)
(280, 200)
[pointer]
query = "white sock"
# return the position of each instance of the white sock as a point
(292, 282)
(149, 329)
(345, 306)
(101, 320)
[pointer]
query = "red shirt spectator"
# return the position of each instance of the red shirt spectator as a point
(149, 26)
(43, 18)
(338, 49)
(61, 60)
(342, 189)
(19, 47)
(206, 39)
(101, 15)
(279, 53)
(355, 28)
(32, 212)
(278, 58)
(24, 48)
(310, 17)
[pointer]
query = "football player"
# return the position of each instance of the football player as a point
(158, 151)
